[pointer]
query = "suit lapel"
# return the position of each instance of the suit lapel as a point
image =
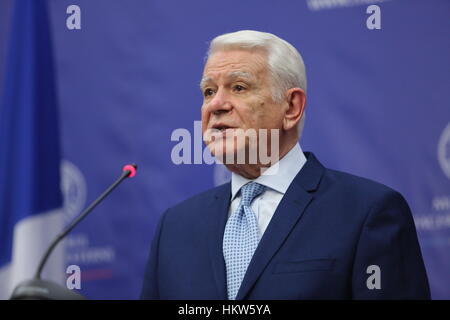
(286, 216)
(218, 215)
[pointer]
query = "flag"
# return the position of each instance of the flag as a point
(30, 194)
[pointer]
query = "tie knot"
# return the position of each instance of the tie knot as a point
(250, 191)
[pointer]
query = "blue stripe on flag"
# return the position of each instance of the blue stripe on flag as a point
(29, 134)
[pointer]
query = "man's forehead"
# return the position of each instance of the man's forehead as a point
(235, 60)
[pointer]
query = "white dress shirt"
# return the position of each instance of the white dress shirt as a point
(264, 205)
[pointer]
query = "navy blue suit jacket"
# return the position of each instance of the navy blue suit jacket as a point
(325, 233)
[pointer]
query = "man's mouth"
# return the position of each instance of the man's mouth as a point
(222, 127)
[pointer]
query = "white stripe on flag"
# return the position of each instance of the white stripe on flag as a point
(32, 236)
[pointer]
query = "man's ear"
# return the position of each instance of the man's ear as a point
(296, 99)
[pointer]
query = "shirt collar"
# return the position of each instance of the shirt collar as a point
(288, 167)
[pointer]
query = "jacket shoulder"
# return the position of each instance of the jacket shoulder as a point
(360, 188)
(199, 202)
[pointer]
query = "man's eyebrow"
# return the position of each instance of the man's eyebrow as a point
(232, 75)
(204, 81)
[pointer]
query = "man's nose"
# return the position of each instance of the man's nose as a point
(220, 103)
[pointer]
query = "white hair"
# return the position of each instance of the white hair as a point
(285, 63)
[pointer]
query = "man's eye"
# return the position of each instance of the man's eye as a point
(208, 92)
(238, 88)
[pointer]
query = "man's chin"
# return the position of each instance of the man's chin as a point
(225, 156)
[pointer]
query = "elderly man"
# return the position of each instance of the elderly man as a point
(287, 229)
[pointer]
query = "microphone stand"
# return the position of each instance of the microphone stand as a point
(38, 289)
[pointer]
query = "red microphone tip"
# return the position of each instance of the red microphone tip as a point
(132, 168)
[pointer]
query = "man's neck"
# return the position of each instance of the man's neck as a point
(253, 171)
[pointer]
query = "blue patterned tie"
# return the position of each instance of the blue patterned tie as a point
(241, 238)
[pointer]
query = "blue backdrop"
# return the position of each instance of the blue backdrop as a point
(378, 106)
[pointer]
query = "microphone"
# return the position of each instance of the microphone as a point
(38, 289)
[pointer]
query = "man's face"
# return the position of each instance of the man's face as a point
(237, 94)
